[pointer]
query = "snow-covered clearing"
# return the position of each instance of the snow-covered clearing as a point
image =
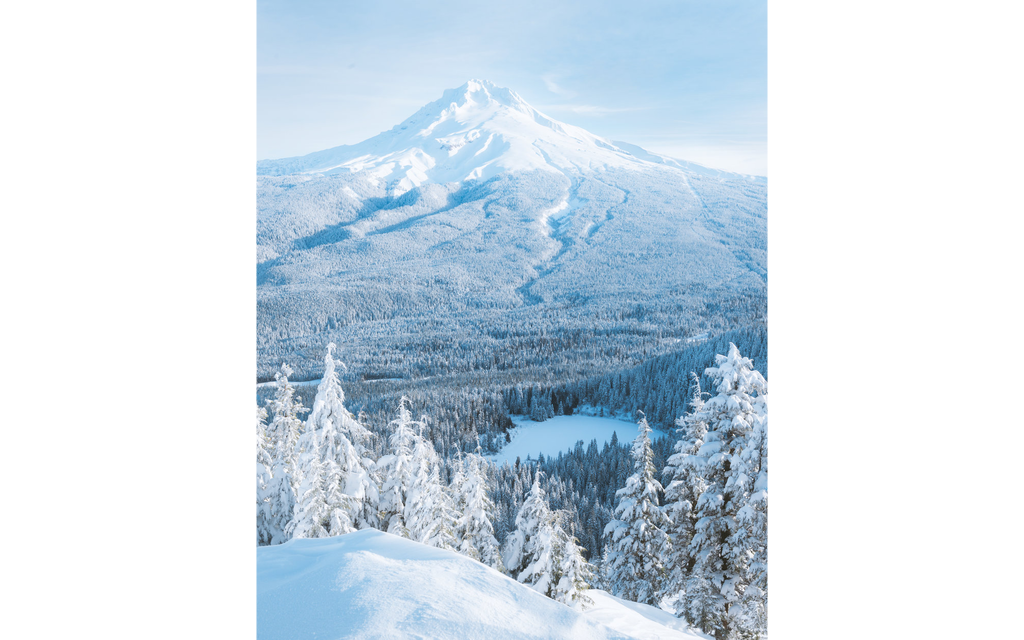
(561, 433)
(371, 584)
(294, 383)
(313, 383)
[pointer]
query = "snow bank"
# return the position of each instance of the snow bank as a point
(640, 620)
(371, 584)
(561, 433)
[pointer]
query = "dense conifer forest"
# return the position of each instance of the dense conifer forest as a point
(680, 519)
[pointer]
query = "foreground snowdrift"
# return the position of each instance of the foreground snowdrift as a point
(371, 584)
(639, 620)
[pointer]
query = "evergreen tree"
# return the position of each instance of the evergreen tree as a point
(530, 553)
(349, 489)
(684, 485)
(397, 471)
(313, 514)
(752, 524)
(601, 570)
(286, 426)
(474, 528)
(574, 573)
(280, 503)
(284, 433)
(429, 509)
(716, 596)
(262, 478)
(637, 536)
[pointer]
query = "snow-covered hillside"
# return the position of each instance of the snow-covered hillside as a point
(478, 230)
(371, 584)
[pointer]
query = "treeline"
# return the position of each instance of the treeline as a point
(472, 409)
(565, 337)
(655, 387)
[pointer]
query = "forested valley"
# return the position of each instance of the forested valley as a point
(644, 520)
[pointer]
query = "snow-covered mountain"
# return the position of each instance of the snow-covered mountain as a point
(370, 584)
(475, 132)
(479, 229)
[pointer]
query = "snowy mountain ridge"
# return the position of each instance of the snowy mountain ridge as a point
(473, 133)
(370, 584)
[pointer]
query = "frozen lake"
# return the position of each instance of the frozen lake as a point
(561, 433)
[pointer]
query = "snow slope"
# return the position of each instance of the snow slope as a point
(561, 433)
(371, 584)
(640, 620)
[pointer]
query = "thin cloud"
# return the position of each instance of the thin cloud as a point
(549, 82)
(589, 109)
(288, 70)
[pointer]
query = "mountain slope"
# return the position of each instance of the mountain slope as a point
(370, 584)
(474, 132)
(479, 230)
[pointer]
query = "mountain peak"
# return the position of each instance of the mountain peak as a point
(474, 132)
(476, 96)
(485, 91)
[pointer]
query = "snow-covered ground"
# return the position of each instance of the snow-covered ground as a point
(299, 383)
(561, 433)
(639, 620)
(371, 584)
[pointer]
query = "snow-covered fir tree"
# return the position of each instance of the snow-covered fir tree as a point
(349, 489)
(574, 574)
(429, 509)
(635, 569)
(684, 484)
(530, 551)
(717, 595)
(397, 472)
(286, 426)
(263, 464)
(283, 433)
(752, 523)
(600, 580)
(313, 514)
(474, 528)
(280, 503)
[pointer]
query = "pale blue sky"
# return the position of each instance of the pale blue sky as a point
(688, 79)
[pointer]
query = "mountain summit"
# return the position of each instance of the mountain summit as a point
(474, 132)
